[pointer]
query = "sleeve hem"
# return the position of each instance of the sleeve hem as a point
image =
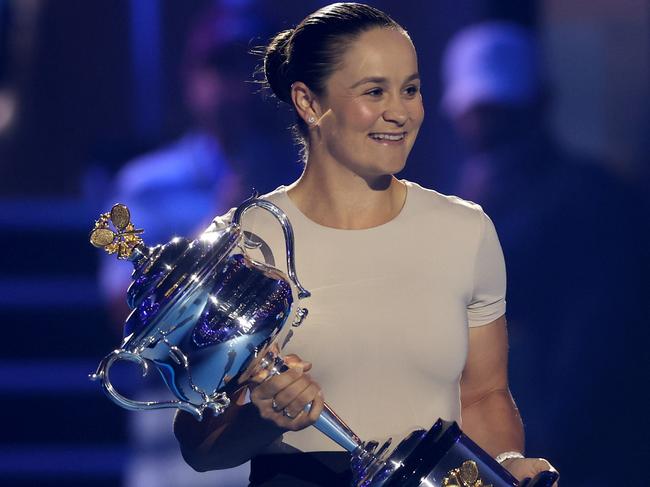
(498, 312)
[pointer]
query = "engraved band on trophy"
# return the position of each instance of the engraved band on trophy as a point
(207, 317)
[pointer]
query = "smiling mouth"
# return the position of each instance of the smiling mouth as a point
(385, 136)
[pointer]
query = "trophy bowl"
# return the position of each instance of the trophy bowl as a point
(203, 313)
(208, 318)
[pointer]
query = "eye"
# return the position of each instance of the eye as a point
(412, 90)
(375, 92)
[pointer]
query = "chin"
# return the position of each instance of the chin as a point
(373, 166)
(389, 169)
(393, 167)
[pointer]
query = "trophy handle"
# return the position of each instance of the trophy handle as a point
(288, 236)
(328, 422)
(102, 374)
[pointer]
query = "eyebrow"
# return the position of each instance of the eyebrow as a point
(380, 80)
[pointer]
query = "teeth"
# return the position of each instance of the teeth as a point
(387, 136)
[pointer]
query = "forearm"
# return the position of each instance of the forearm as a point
(224, 441)
(493, 422)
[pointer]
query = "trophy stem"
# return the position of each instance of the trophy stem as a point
(334, 428)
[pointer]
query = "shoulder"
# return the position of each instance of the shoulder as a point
(445, 209)
(277, 197)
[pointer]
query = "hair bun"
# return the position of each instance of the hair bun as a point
(276, 65)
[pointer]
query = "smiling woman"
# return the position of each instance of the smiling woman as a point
(350, 73)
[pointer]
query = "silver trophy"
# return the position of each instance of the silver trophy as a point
(208, 318)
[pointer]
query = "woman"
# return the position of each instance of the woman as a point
(407, 310)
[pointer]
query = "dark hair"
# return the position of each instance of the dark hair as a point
(312, 51)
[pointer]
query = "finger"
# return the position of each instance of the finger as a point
(292, 360)
(259, 377)
(271, 411)
(308, 418)
(297, 405)
(270, 387)
(267, 412)
(317, 406)
(544, 464)
(263, 375)
(292, 392)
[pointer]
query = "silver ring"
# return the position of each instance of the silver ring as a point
(287, 414)
(274, 406)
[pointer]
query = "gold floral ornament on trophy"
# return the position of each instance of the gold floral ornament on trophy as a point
(122, 239)
(466, 475)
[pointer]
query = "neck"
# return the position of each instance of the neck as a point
(332, 195)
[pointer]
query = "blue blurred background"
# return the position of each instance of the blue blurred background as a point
(539, 111)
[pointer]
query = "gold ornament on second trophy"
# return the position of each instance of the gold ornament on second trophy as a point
(466, 475)
(123, 239)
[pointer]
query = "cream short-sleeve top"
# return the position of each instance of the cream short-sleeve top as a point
(390, 307)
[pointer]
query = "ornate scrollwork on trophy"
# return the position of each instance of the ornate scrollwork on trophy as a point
(122, 238)
(467, 475)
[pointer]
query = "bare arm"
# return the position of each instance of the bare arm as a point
(489, 414)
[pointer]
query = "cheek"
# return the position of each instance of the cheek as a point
(361, 116)
(417, 112)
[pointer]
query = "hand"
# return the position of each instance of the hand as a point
(521, 468)
(282, 398)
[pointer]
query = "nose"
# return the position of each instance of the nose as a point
(396, 112)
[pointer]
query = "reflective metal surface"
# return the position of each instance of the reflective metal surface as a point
(203, 314)
(441, 456)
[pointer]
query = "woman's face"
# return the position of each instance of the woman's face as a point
(372, 107)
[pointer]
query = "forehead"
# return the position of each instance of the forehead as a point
(378, 52)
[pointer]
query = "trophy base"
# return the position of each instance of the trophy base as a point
(441, 456)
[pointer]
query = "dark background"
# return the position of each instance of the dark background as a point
(87, 100)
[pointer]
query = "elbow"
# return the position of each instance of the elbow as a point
(197, 463)
(189, 440)
(480, 399)
(201, 445)
(204, 463)
(200, 459)
(204, 459)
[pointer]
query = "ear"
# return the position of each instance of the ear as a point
(305, 102)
